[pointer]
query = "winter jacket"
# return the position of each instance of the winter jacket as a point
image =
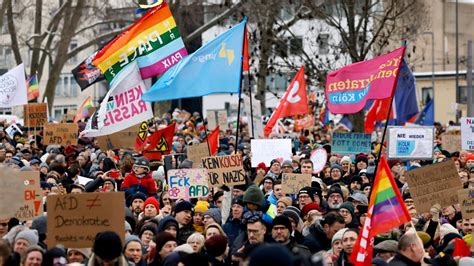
(183, 233)
(133, 183)
(317, 239)
(400, 260)
(233, 228)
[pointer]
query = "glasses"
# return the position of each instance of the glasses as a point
(303, 196)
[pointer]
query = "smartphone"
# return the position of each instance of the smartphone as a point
(114, 173)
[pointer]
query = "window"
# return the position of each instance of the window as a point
(66, 86)
(296, 45)
(61, 110)
(462, 94)
(73, 45)
(289, 46)
(323, 43)
(426, 94)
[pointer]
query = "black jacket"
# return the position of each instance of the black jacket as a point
(317, 239)
(400, 260)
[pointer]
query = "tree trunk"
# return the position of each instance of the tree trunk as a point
(12, 30)
(35, 55)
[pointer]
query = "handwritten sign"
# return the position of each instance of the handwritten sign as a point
(410, 142)
(32, 196)
(265, 150)
(467, 133)
(11, 192)
(63, 134)
(188, 183)
(36, 114)
(466, 200)
(12, 129)
(436, 183)
(292, 183)
(451, 142)
(222, 120)
(319, 158)
(224, 170)
(122, 139)
(75, 219)
(351, 143)
(196, 152)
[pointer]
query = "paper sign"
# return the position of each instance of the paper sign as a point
(35, 114)
(196, 152)
(11, 192)
(451, 142)
(11, 130)
(211, 119)
(319, 158)
(75, 219)
(63, 134)
(466, 200)
(436, 183)
(83, 180)
(224, 170)
(265, 150)
(120, 140)
(410, 142)
(32, 206)
(351, 143)
(467, 133)
(292, 183)
(222, 120)
(188, 183)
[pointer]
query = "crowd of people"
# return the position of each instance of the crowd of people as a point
(249, 224)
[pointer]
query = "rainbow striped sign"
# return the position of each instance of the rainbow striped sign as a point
(153, 41)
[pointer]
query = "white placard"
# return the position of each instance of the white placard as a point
(83, 180)
(467, 133)
(319, 158)
(410, 142)
(265, 150)
(11, 130)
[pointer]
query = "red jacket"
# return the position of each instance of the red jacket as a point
(132, 184)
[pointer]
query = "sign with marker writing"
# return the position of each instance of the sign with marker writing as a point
(410, 142)
(466, 200)
(32, 206)
(292, 183)
(196, 151)
(265, 150)
(63, 134)
(467, 133)
(75, 219)
(36, 114)
(436, 183)
(351, 143)
(188, 183)
(11, 192)
(224, 170)
(451, 142)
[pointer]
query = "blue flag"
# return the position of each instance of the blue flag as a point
(214, 68)
(406, 105)
(426, 117)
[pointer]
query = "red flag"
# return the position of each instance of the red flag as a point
(460, 248)
(160, 143)
(378, 112)
(293, 102)
(245, 61)
(142, 136)
(213, 138)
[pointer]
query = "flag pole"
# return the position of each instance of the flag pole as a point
(240, 92)
(251, 105)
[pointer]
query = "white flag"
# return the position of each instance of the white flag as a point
(13, 87)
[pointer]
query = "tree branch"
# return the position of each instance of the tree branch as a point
(97, 40)
(13, 35)
(101, 23)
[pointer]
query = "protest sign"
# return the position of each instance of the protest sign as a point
(122, 139)
(63, 134)
(466, 200)
(211, 119)
(436, 183)
(255, 110)
(467, 133)
(35, 114)
(292, 183)
(12, 129)
(84, 180)
(265, 150)
(196, 151)
(222, 120)
(11, 192)
(410, 142)
(351, 143)
(451, 142)
(319, 158)
(224, 170)
(188, 183)
(75, 219)
(32, 203)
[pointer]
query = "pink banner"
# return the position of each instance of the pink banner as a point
(348, 88)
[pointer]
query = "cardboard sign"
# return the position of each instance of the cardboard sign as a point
(222, 120)
(11, 130)
(467, 133)
(75, 219)
(63, 134)
(32, 196)
(319, 158)
(35, 114)
(120, 140)
(451, 142)
(351, 143)
(466, 200)
(224, 170)
(292, 183)
(196, 152)
(11, 192)
(436, 183)
(188, 183)
(410, 142)
(265, 150)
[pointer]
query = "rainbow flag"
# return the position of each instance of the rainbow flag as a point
(386, 211)
(153, 41)
(33, 88)
(83, 111)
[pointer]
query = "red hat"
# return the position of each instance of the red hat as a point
(309, 207)
(391, 163)
(263, 166)
(152, 200)
(470, 157)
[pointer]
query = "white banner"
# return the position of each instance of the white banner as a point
(13, 87)
(410, 142)
(467, 133)
(122, 106)
(265, 150)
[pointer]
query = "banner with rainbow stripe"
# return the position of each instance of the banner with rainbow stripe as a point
(33, 88)
(84, 111)
(153, 41)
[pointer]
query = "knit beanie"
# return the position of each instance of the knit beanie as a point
(131, 238)
(139, 195)
(216, 245)
(335, 189)
(292, 215)
(201, 206)
(107, 245)
(282, 220)
(308, 191)
(362, 158)
(86, 252)
(238, 200)
(286, 162)
(253, 195)
(270, 254)
(215, 213)
(445, 229)
(348, 206)
(263, 166)
(162, 238)
(309, 207)
(153, 201)
(148, 227)
(336, 166)
(285, 200)
(29, 235)
(39, 224)
(346, 159)
(167, 222)
(183, 206)
(338, 235)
